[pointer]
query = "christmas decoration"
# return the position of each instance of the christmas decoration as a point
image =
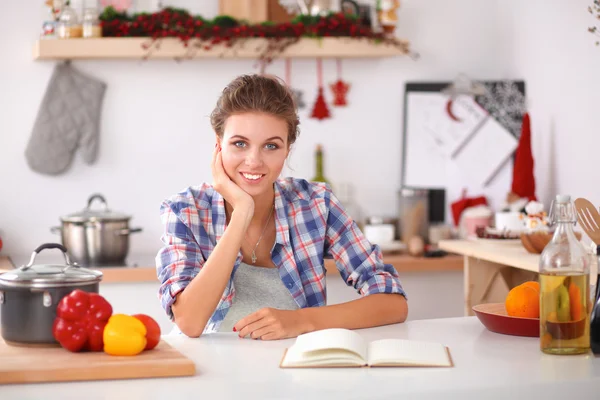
(594, 9)
(465, 202)
(505, 102)
(288, 80)
(523, 184)
(198, 33)
(320, 110)
(339, 88)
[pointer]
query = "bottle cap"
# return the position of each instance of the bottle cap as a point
(563, 198)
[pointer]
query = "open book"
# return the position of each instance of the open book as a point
(346, 348)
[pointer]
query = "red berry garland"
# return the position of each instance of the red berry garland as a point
(202, 34)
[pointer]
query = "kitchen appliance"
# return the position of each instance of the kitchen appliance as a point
(96, 237)
(589, 219)
(29, 296)
(413, 214)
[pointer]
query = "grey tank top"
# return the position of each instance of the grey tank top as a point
(256, 288)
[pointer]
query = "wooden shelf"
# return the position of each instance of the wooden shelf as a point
(170, 48)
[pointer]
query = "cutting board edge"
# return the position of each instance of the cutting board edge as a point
(171, 370)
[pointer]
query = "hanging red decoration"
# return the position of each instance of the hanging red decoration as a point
(320, 110)
(339, 88)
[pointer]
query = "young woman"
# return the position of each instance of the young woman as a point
(245, 254)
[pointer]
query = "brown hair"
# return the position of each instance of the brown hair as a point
(256, 93)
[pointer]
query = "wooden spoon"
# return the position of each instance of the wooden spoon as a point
(589, 218)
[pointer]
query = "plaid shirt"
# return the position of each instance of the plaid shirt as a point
(311, 225)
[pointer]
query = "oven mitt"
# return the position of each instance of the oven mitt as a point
(68, 119)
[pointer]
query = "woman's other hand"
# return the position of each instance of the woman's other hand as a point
(272, 324)
(232, 193)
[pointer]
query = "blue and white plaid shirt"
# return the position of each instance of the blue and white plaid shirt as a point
(311, 225)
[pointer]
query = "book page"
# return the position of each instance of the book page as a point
(408, 353)
(328, 346)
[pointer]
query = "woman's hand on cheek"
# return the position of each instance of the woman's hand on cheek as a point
(223, 184)
(272, 324)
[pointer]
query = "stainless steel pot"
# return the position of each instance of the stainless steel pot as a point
(96, 237)
(29, 296)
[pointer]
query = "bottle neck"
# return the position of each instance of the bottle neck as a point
(319, 163)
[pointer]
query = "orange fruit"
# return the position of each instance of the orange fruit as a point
(523, 301)
(532, 284)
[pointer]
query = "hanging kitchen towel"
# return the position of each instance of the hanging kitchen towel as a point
(68, 119)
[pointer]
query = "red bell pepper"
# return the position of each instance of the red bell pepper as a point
(80, 321)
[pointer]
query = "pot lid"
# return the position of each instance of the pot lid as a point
(102, 214)
(49, 275)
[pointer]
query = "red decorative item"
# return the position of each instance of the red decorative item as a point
(523, 183)
(465, 202)
(320, 110)
(339, 88)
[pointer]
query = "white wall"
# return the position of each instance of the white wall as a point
(156, 136)
(553, 51)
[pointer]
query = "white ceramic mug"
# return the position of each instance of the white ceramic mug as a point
(381, 233)
(510, 221)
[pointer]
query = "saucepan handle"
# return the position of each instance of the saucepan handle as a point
(56, 229)
(127, 231)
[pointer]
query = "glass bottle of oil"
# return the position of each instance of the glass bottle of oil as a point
(319, 175)
(564, 286)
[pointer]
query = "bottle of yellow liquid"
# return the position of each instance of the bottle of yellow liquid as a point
(319, 175)
(564, 286)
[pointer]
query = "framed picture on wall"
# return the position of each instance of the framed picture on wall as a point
(467, 143)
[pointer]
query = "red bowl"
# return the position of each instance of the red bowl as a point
(493, 316)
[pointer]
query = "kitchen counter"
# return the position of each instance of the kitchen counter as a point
(487, 366)
(492, 268)
(141, 267)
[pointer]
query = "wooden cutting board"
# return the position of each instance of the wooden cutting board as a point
(55, 364)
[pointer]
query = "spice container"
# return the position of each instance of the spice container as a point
(91, 24)
(68, 23)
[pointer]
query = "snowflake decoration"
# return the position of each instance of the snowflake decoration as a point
(505, 102)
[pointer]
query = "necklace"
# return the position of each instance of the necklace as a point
(261, 236)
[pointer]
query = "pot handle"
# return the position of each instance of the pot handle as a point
(99, 197)
(46, 246)
(127, 231)
(56, 229)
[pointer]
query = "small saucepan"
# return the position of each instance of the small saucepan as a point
(96, 237)
(29, 296)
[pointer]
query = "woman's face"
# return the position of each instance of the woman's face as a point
(254, 148)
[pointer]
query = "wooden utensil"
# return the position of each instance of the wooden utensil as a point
(589, 219)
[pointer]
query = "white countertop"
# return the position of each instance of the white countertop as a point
(487, 365)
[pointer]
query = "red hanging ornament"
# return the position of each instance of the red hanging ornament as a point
(339, 88)
(320, 110)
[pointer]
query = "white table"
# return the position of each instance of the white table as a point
(487, 366)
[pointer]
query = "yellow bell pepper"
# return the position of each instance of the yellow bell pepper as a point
(124, 335)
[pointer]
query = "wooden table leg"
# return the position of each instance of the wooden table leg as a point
(488, 282)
